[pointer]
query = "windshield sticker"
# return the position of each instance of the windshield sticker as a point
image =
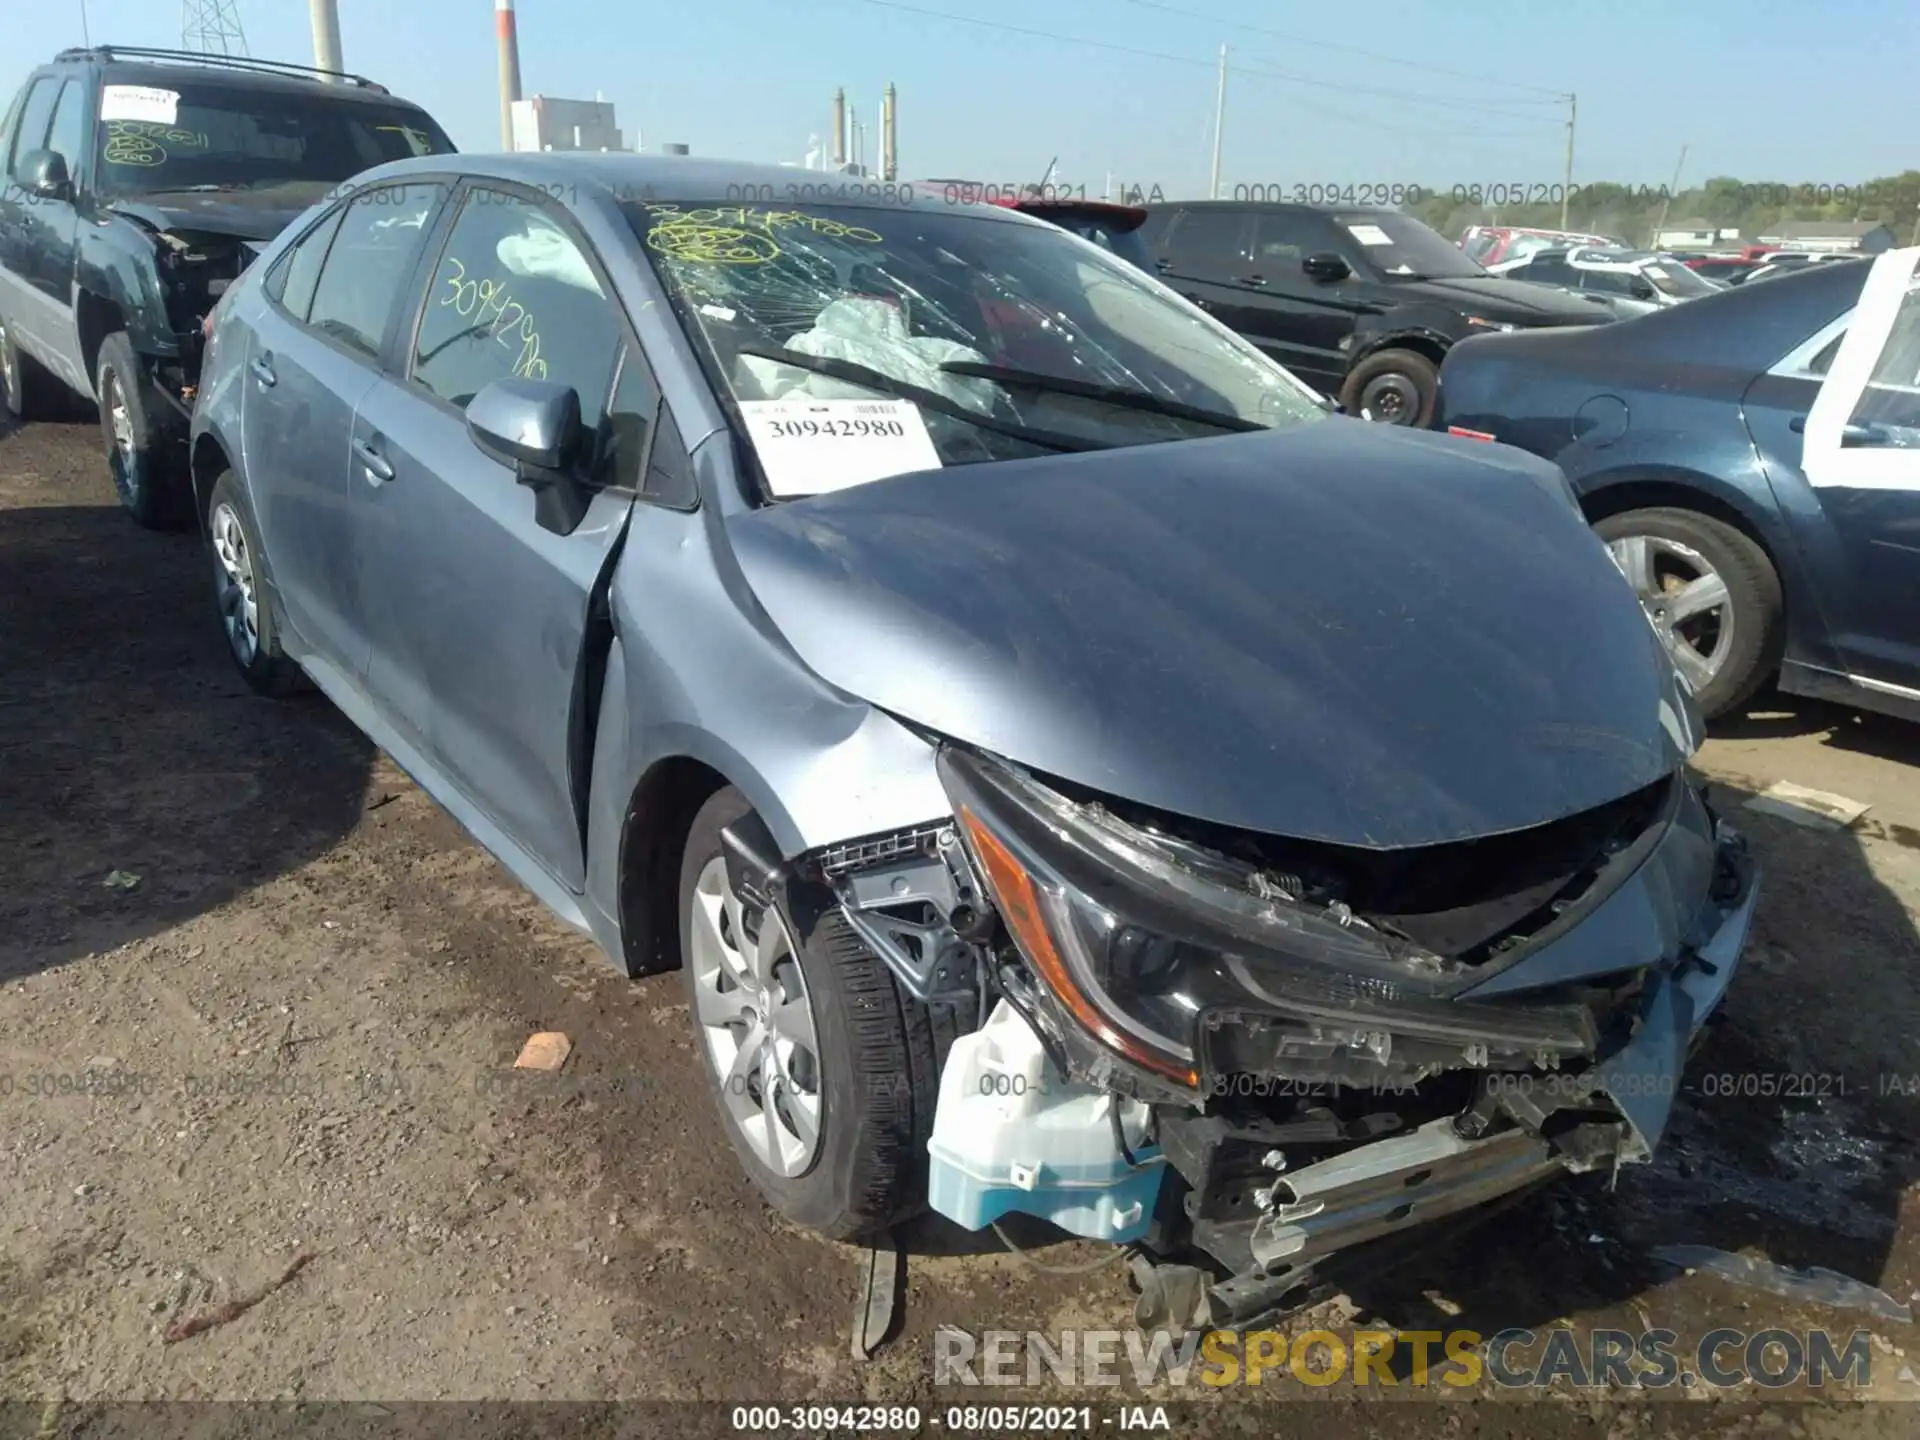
(1369, 234)
(809, 447)
(139, 102)
(736, 234)
(725, 314)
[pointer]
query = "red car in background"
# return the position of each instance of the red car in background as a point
(1491, 244)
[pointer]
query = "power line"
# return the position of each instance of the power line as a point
(1188, 60)
(1558, 95)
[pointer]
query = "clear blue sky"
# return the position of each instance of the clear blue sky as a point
(1816, 91)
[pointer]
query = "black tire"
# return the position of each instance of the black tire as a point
(1420, 373)
(1753, 590)
(24, 386)
(878, 1065)
(149, 471)
(262, 664)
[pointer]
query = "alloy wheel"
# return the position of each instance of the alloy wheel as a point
(757, 1021)
(9, 371)
(1390, 399)
(120, 422)
(233, 583)
(1685, 598)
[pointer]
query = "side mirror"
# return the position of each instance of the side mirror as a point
(1326, 268)
(44, 173)
(1642, 288)
(534, 427)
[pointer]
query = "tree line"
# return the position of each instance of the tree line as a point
(1633, 213)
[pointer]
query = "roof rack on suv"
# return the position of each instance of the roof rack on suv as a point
(226, 62)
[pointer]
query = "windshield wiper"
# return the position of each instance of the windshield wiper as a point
(905, 390)
(1117, 395)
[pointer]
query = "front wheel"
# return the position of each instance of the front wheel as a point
(824, 1072)
(144, 451)
(1711, 593)
(1394, 387)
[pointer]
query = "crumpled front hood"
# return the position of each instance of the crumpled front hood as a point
(243, 214)
(1341, 632)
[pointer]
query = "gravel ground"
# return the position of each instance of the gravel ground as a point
(292, 1037)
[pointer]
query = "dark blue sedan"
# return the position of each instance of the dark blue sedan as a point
(1752, 460)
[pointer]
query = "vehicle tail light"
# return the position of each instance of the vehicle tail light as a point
(1466, 434)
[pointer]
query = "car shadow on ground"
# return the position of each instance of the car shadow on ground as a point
(1773, 715)
(141, 783)
(1788, 1139)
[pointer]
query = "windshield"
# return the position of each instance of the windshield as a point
(1670, 277)
(1402, 246)
(220, 136)
(1102, 231)
(996, 337)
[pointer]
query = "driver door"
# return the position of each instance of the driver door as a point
(1862, 456)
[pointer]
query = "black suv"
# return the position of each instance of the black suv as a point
(135, 185)
(1361, 304)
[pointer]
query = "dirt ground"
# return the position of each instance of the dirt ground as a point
(292, 1036)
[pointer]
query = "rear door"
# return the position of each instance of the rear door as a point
(1200, 252)
(478, 614)
(1862, 456)
(313, 351)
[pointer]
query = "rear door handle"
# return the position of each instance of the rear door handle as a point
(262, 368)
(378, 470)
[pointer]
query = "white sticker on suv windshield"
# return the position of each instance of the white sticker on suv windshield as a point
(139, 102)
(808, 447)
(1369, 234)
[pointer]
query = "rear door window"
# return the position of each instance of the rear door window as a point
(372, 252)
(1209, 242)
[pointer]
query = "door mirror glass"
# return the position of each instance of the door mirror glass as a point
(44, 173)
(532, 425)
(1326, 267)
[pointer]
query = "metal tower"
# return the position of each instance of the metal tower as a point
(212, 27)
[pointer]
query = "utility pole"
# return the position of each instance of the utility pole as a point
(1566, 191)
(1654, 240)
(1219, 120)
(325, 15)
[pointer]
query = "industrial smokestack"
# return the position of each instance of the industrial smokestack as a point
(889, 136)
(839, 128)
(509, 36)
(325, 15)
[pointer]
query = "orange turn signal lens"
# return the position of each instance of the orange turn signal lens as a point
(1019, 902)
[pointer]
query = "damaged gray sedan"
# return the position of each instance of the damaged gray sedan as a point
(1076, 773)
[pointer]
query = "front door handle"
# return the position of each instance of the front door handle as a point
(1257, 281)
(378, 470)
(262, 368)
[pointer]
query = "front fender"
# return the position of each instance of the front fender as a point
(116, 266)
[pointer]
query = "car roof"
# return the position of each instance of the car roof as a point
(1266, 206)
(680, 179)
(123, 65)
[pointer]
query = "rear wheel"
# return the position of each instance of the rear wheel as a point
(245, 605)
(1394, 387)
(824, 1073)
(1711, 593)
(144, 450)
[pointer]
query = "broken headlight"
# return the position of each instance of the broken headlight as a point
(1153, 946)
